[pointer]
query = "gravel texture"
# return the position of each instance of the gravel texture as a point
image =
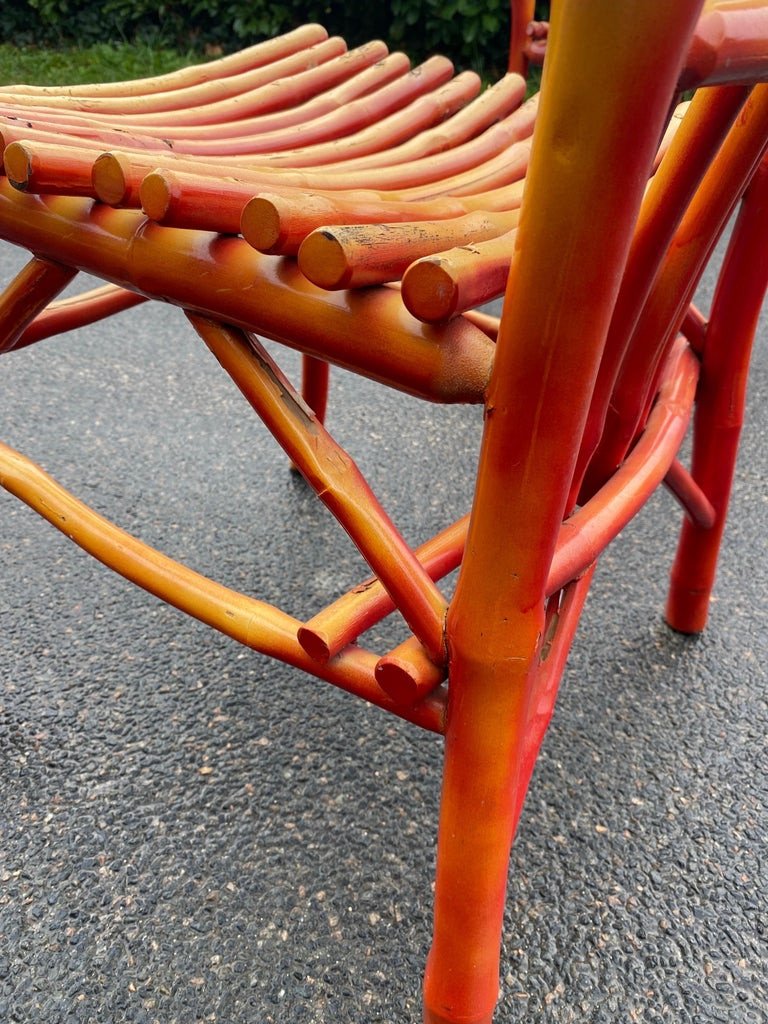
(191, 833)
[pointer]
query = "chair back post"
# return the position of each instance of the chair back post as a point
(521, 14)
(594, 147)
(595, 139)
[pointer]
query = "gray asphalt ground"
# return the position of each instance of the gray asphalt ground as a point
(191, 833)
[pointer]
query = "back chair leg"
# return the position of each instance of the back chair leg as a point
(315, 376)
(720, 406)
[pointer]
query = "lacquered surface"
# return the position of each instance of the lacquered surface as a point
(369, 173)
(549, 347)
(260, 293)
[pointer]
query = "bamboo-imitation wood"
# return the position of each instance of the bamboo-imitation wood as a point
(671, 188)
(438, 287)
(356, 256)
(342, 204)
(245, 60)
(253, 623)
(261, 293)
(27, 296)
(333, 476)
(391, 78)
(279, 222)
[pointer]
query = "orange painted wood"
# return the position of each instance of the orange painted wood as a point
(720, 411)
(245, 60)
(670, 190)
(28, 294)
(668, 301)
(438, 287)
(479, 165)
(329, 632)
(408, 674)
(334, 477)
(521, 15)
(395, 68)
(349, 171)
(269, 86)
(357, 256)
(253, 623)
(259, 293)
(548, 353)
(279, 222)
(378, 121)
(77, 311)
(730, 45)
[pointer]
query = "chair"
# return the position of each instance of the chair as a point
(370, 249)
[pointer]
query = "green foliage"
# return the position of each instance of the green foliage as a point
(102, 62)
(476, 29)
(472, 32)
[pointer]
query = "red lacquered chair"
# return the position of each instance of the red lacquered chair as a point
(372, 257)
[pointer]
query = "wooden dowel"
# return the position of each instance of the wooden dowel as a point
(407, 674)
(697, 505)
(277, 222)
(391, 71)
(208, 102)
(244, 60)
(363, 255)
(47, 168)
(343, 621)
(439, 287)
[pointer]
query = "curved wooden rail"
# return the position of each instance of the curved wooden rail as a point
(259, 293)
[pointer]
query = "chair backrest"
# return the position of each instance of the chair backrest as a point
(595, 139)
(591, 226)
(521, 14)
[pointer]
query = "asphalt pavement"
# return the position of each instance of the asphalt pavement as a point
(192, 833)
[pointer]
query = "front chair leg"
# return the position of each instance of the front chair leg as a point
(485, 772)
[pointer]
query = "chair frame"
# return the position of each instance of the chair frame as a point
(586, 405)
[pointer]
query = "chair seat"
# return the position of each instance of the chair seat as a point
(366, 169)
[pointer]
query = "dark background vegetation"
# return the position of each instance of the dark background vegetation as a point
(472, 32)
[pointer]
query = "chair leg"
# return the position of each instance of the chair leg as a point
(315, 377)
(720, 406)
(500, 708)
(314, 385)
(484, 771)
(695, 565)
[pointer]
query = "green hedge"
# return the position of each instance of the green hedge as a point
(472, 32)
